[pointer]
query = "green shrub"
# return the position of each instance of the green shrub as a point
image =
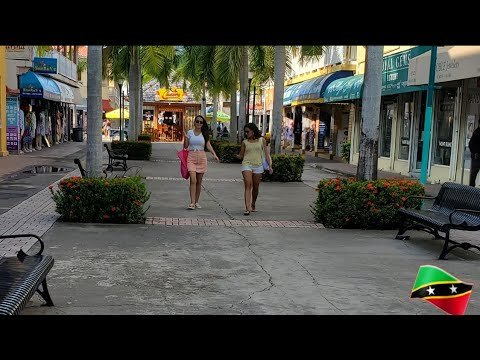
(286, 168)
(347, 203)
(346, 151)
(99, 200)
(145, 137)
(136, 150)
(227, 152)
(216, 144)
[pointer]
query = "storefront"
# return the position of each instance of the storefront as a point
(167, 113)
(457, 109)
(315, 123)
(52, 102)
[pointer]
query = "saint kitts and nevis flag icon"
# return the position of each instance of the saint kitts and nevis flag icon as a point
(442, 290)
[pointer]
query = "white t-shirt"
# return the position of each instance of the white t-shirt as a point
(196, 142)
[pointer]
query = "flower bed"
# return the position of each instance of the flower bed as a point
(347, 203)
(99, 200)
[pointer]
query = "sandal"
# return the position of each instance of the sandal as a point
(191, 207)
(253, 208)
(247, 212)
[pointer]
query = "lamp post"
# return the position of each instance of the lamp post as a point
(250, 77)
(120, 86)
(253, 104)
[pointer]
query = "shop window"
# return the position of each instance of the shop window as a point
(405, 126)
(444, 116)
(388, 110)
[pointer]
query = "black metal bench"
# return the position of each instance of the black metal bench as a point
(22, 276)
(108, 171)
(116, 159)
(455, 207)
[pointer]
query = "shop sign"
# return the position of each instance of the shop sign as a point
(19, 52)
(172, 94)
(45, 65)
(395, 70)
(13, 136)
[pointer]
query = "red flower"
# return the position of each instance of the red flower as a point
(77, 197)
(113, 209)
(138, 203)
(50, 187)
(105, 216)
(404, 198)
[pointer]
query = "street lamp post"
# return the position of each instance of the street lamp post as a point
(253, 104)
(250, 77)
(120, 86)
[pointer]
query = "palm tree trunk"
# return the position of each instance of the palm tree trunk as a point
(138, 120)
(372, 88)
(141, 107)
(133, 91)
(233, 116)
(242, 118)
(204, 101)
(94, 109)
(214, 116)
(278, 89)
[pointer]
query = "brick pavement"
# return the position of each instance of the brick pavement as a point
(168, 221)
(34, 215)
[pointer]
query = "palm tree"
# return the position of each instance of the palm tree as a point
(94, 110)
(278, 89)
(372, 89)
(137, 63)
(282, 60)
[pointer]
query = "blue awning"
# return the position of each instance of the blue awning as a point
(312, 91)
(288, 93)
(33, 85)
(345, 89)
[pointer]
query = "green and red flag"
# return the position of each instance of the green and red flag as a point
(442, 289)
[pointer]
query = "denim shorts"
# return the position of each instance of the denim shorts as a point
(255, 170)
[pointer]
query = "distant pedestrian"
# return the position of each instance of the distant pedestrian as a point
(253, 149)
(474, 146)
(197, 140)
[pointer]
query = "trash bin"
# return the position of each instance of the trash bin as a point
(77, 134)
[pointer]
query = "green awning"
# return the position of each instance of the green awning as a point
(344, 89)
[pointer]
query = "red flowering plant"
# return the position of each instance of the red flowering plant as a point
(347, 203)
(96, 200)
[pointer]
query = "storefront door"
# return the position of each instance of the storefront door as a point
(417, 134)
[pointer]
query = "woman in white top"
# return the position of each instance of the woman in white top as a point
(196, 140)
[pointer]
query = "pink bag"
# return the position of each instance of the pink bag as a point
(183, 155)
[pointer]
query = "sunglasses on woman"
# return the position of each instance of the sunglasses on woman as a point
(199, 121)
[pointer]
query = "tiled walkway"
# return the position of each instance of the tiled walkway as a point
(223, 222)
(182, 179)
(33, 216)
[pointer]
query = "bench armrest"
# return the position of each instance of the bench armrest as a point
(420, 197)
(462, 210)
(21, 253)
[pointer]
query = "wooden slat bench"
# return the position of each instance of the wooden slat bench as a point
(22, 276)
(455, 207)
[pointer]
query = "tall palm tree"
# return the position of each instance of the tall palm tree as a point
(282, 60)
(278, 89)
(372, 90)
(94, 110)
(133, 62)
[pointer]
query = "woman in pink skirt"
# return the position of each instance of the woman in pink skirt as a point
(197, 141)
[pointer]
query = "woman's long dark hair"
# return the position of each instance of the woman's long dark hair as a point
(256, 133)
(205, 131)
